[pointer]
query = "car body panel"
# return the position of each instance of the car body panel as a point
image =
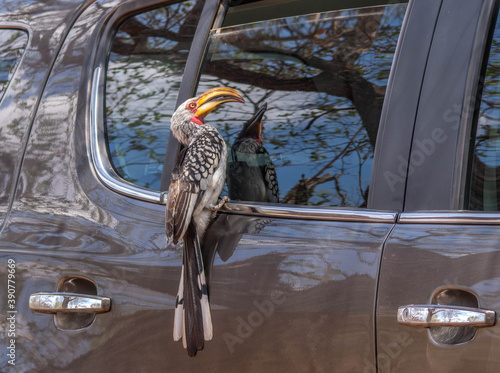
(65, 224)
(388, 184)
(268, 300)
(47, 28)
(292, 288)
(436, 249)
(446, 106)
(435, 257)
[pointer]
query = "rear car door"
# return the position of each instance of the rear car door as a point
(292, 284)
(442, 255)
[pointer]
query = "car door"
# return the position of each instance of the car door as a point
(292, 284)
(282, 277)
(438, 293)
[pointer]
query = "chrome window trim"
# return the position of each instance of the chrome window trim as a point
(450, 217)
(307, 212)
(108, 176)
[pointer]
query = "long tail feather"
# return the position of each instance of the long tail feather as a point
(184, 340)
(192, 319)
(205, 305)
(192, 298)
(179, 309)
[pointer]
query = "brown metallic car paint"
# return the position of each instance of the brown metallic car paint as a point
(47, 27)
(285, 297)
(287, 294)
(438, 257)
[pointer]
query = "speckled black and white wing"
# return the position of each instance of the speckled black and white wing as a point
(171, 228)
(192, 178)
(251, 173)
(269, 175)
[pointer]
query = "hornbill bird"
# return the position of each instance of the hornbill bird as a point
(196, 183)
(250, 173)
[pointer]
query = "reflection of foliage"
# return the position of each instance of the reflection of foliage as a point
(324, 78)
(323, 75)
(144, 71)
(488, 129)
(485, 182)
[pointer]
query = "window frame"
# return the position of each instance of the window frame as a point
(212, 15)
(466, 184)
(447, 101)
(98, 149)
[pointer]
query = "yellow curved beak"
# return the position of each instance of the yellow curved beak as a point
(212, 98)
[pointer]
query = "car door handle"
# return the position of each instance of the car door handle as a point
(428, 315)
(68, 302)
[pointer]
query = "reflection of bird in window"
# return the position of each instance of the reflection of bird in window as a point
(250, 173)
(197, 180)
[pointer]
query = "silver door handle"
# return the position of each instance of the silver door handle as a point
(427, 315)
(68, 302)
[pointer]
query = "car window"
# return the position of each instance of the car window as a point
(323, 76)
(321, 71)
(144, 71)
(12, 46)
(485, 171)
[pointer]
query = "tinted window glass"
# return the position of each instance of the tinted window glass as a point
(485, 174)
(144, 72)
(12, 46)
(323, 76)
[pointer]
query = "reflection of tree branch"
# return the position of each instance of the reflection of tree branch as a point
(342, 195)
(335, 87)
(340, 154)
(303, 190)
(140, 33)
(340, 60)
(348, 83)
(326, 112)
(361, 162)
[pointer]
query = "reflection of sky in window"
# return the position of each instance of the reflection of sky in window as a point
(138, 117)
(281, 49)
(141, 91)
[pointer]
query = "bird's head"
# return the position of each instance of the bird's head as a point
(254, 126)
(193, 111)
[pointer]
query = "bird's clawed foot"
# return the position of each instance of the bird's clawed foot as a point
(218, 206)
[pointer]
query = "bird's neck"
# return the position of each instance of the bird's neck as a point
(245, 136)
(187, 131)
